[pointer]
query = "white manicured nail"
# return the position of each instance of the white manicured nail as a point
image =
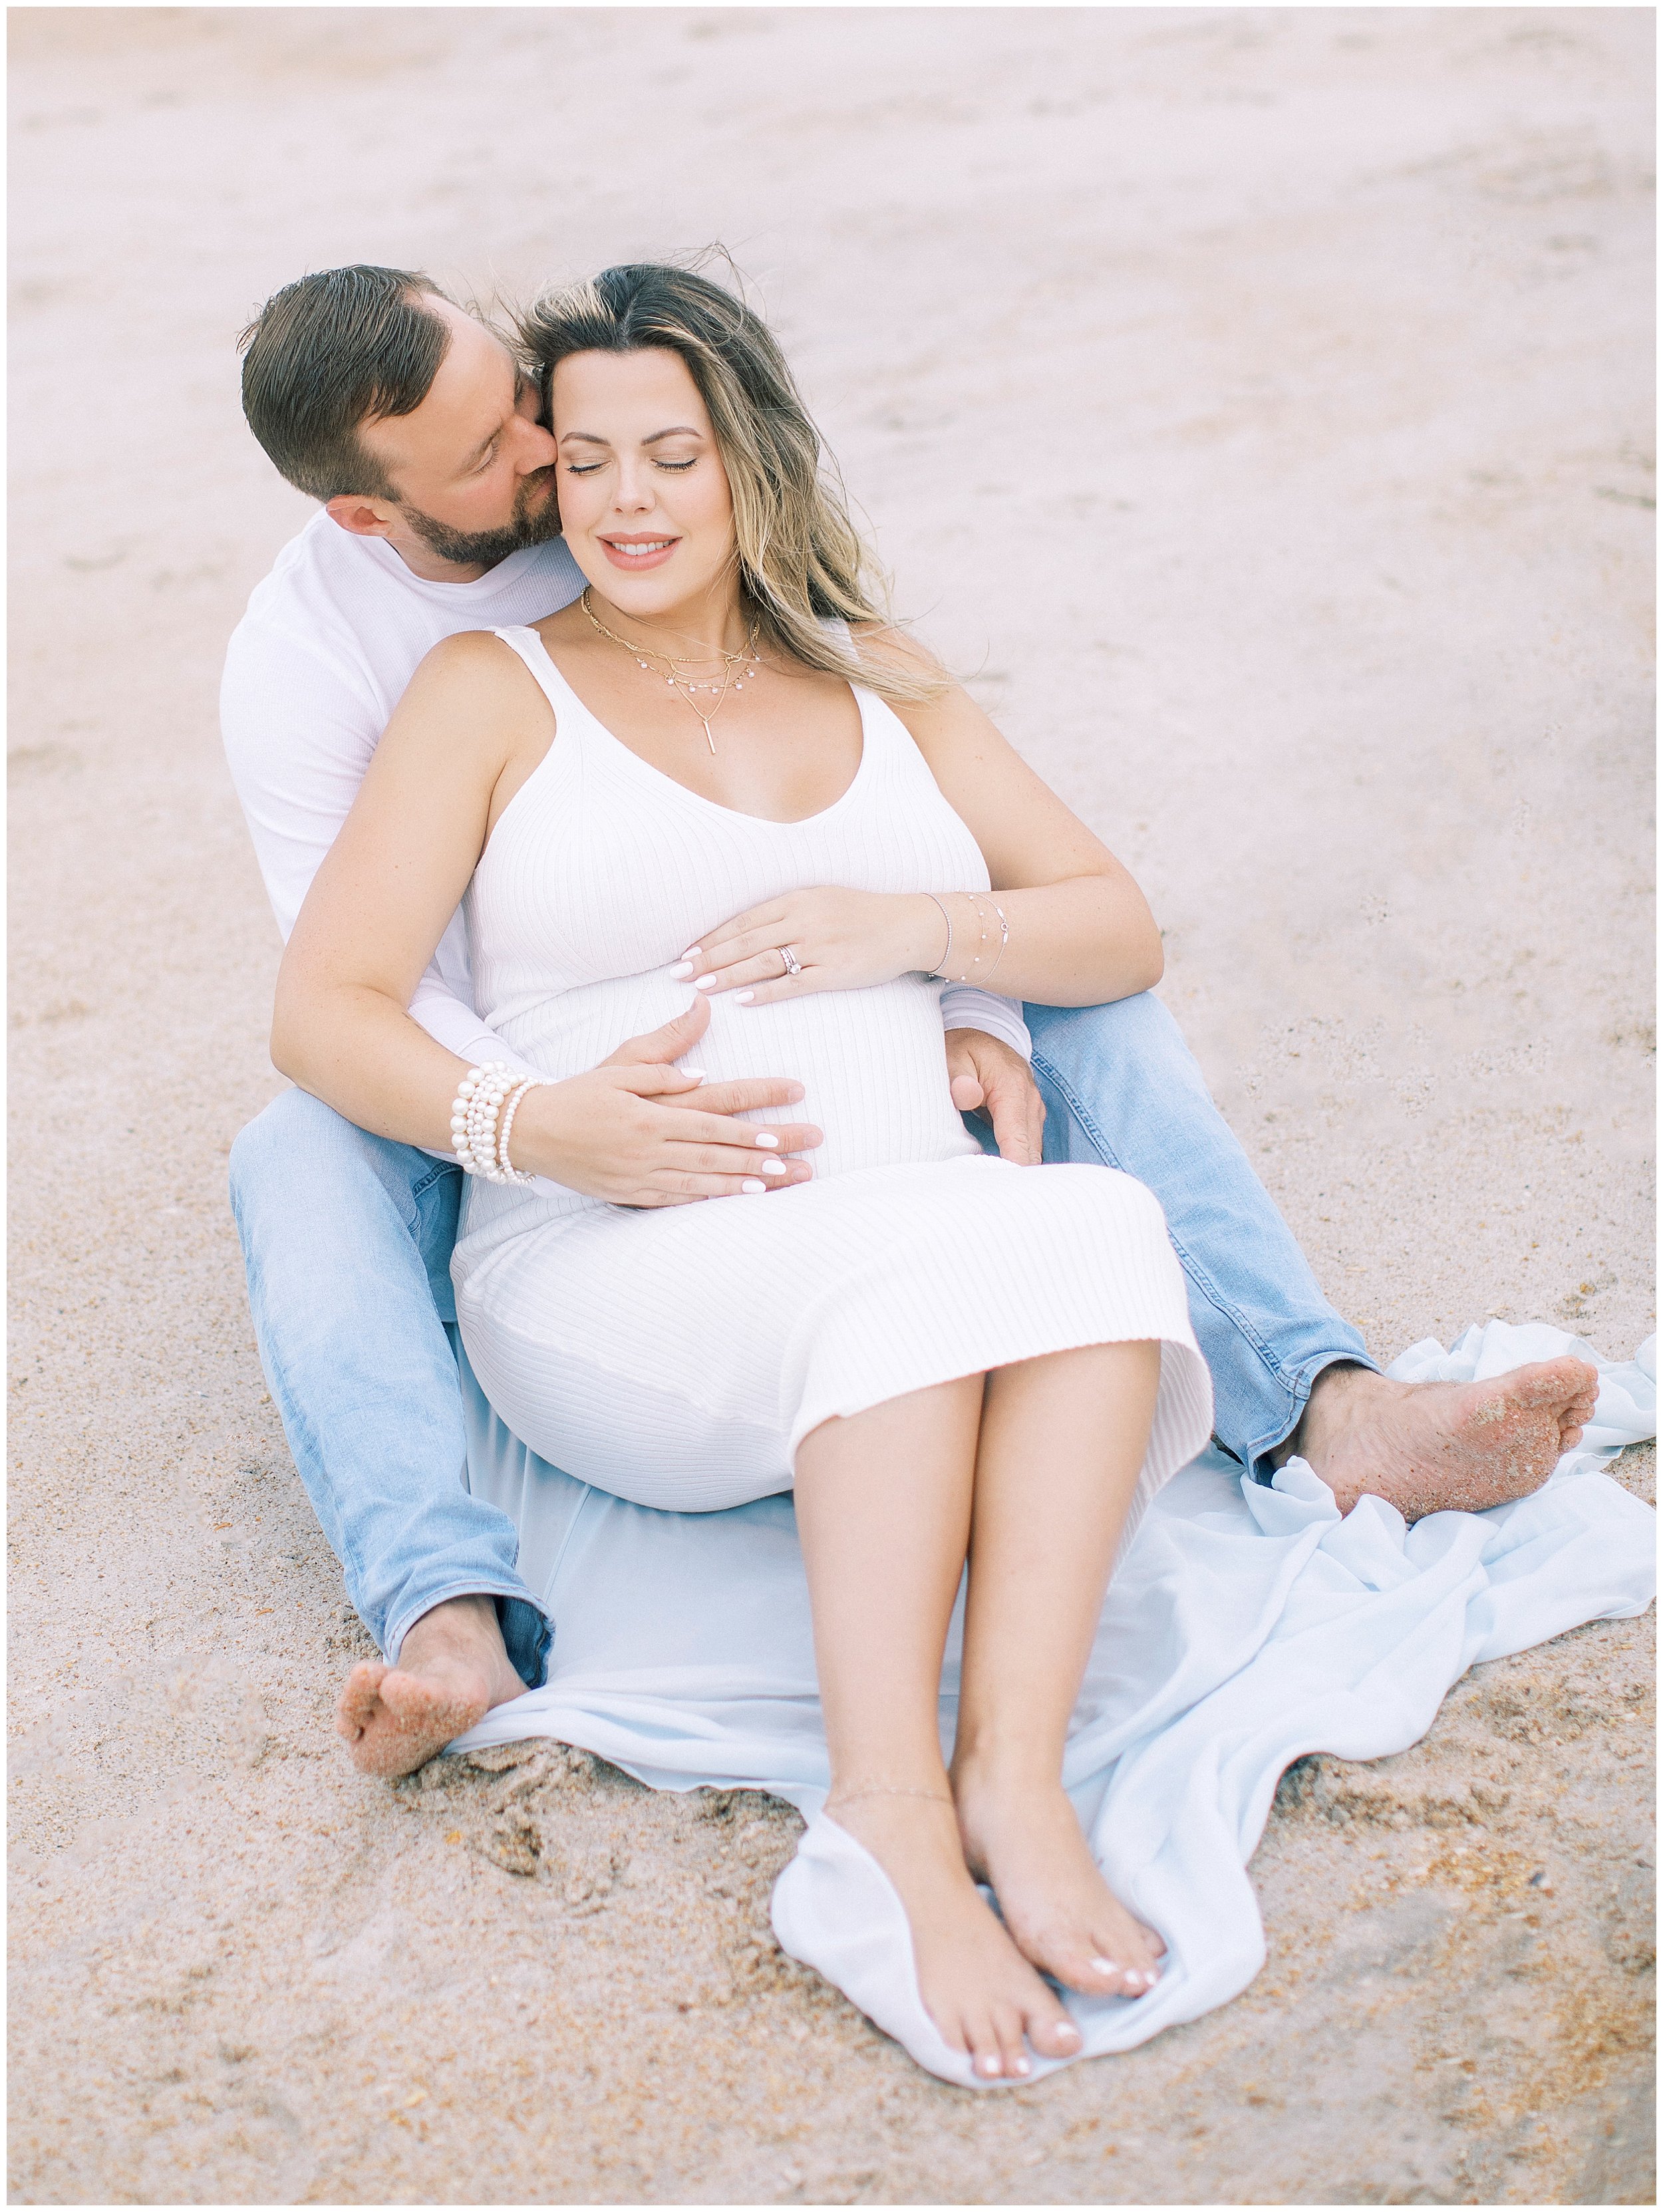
(698, 1073)
(1022, 2067)
(745, 997)
(987, 2066)
(767, 1141)
(754, 1182)
(682, 967)
(692, 952)
(703, 982)
(1067, 2031)
(773, 1167)
(1106, 1966)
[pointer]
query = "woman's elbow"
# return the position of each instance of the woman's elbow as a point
(282, 1046)
(290, 1027)
(1140, 957)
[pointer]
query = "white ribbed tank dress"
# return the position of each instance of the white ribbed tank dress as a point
(676, 1356)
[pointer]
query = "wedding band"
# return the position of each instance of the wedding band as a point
(793, 965)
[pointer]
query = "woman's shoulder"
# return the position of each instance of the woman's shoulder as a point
(911, 678)
(475, 671)
(467, 654)
(471, 698)
(881, 642)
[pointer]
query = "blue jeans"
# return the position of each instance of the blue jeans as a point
(347, 1239)
(1122, 1088)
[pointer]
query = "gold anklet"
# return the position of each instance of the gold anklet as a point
(880, 1790)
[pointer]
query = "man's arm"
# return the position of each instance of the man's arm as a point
(965, 1007)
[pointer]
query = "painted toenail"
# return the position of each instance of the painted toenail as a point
(1106, 1966)
(987, 2066)
(1067, 2031)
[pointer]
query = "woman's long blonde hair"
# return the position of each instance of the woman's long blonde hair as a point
(800, 558)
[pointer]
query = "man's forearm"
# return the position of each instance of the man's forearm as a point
(450, 1021)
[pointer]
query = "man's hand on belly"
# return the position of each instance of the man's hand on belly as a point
(639, 1131)
(989, 1078)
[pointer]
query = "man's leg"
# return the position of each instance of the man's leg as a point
(347, 1240)
(1122, 1088)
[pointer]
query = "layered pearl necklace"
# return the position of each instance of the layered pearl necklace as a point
(738, 669)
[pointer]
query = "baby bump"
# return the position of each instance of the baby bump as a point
(873, 1063)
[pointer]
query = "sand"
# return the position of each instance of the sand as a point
(1257, 405)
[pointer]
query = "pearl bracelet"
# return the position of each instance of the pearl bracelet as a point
(506, 1171)
(474, 1115)
(482, 1115)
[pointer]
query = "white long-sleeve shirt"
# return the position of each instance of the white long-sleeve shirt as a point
(313, 672)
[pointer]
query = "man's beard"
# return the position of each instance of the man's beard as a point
(534, 524)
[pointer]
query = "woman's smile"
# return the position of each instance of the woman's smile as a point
(636, 549)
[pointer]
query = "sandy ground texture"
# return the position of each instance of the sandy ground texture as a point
(1258, 402)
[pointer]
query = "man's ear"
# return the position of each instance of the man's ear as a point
(361, 517)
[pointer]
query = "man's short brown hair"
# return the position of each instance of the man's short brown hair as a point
(327, 354)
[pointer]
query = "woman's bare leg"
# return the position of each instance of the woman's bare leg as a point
(1063, 1440)
(884, 1511)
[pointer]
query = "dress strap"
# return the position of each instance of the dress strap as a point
(520, 638)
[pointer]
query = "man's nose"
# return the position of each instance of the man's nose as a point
(537, 448)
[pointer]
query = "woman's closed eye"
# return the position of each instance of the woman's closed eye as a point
(670, 468)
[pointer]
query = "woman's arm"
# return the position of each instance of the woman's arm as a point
(1081, 931)
(467, 734)
(388, 886)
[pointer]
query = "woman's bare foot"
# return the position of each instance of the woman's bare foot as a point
(1444, 1447)
(1022, 1837)
(981, 1994)
(453, 1669)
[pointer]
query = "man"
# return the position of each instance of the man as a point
(413, 424)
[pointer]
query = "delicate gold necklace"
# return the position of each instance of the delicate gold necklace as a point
(748, 663)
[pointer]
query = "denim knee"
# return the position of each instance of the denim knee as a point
(297, 1135)
(299, 1160)
(294, 1126)
(1139, 1034)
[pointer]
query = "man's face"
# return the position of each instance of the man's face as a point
(471, 468)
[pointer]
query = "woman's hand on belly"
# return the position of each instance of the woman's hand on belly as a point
(841, 940)
(639, 1131)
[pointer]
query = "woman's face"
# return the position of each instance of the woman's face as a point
(643, 496)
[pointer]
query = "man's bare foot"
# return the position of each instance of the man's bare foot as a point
(981, 1994)
(1022, 1838)
(1443, 1447)
(452, 1670)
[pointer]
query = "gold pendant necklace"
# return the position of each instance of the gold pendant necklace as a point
(748, 663)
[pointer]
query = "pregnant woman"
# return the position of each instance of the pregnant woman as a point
(721, 778)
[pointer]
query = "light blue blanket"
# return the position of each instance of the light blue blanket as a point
(1245, 1628)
